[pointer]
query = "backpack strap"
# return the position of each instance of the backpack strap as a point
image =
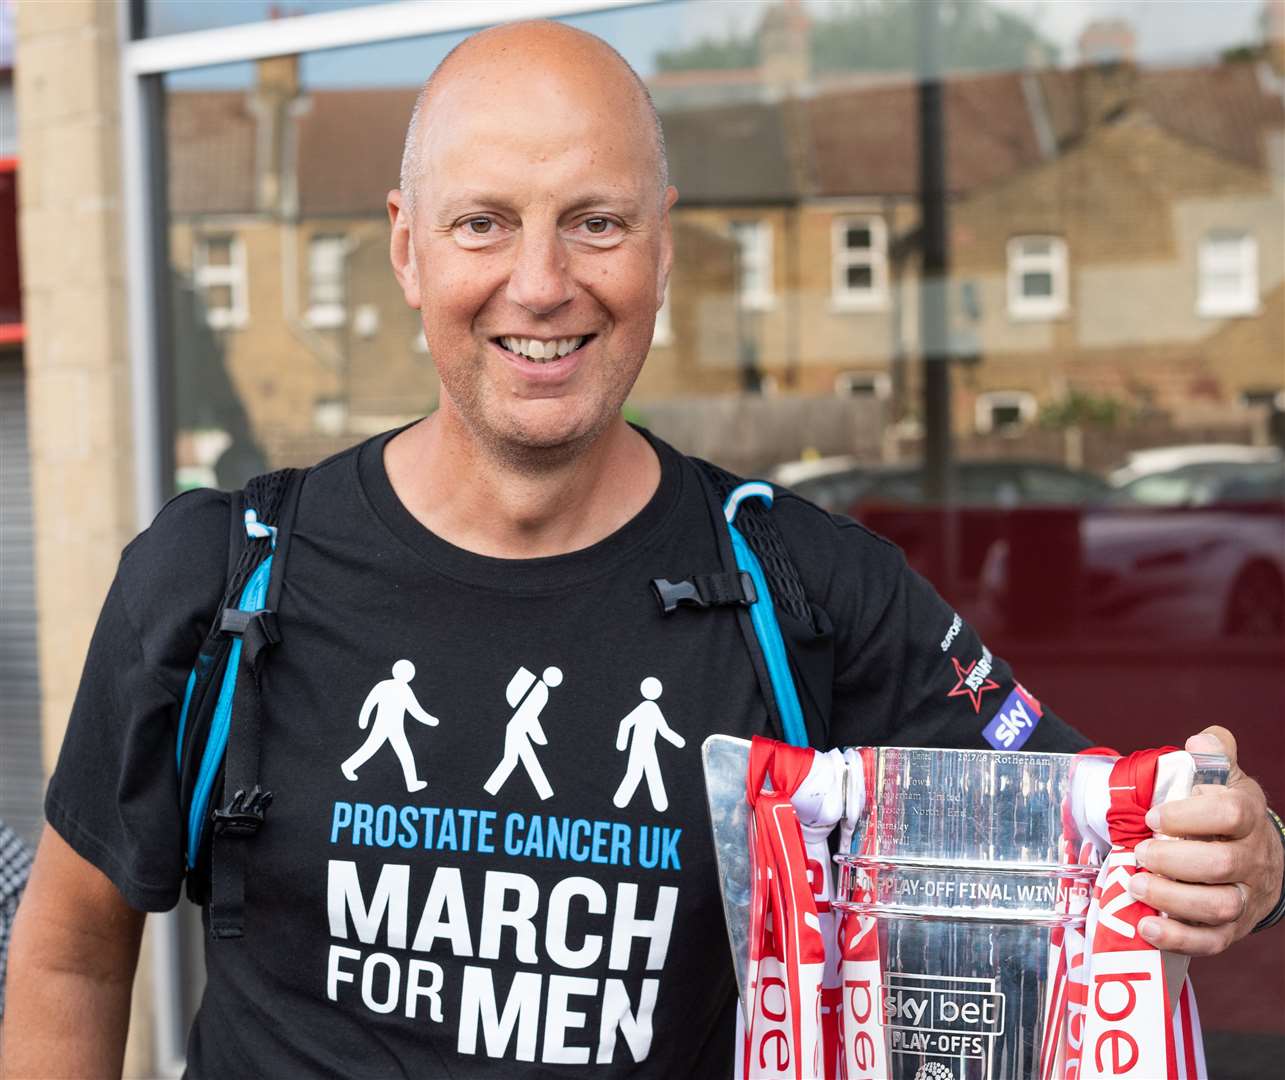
(247, 626)
(754, 553)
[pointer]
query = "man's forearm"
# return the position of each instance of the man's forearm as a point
(63, 1023)
(70, 972)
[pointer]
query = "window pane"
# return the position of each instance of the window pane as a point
(217, 250)
(326, 271)
(181, 16)
(859, 236)
(1037, 283)
(860, 277)
(218, 297)
(1221, 247)
(1005, 415)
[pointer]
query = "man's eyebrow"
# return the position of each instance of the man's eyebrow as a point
(464, 201)
(614, 200)
(479, 199)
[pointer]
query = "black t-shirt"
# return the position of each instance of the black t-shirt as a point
(489, 848)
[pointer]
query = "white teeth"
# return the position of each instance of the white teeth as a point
(541, 351)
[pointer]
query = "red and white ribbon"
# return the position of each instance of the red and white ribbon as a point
(842, 1038)
(1118, 1007)
(782, 1036)
(865, 1050)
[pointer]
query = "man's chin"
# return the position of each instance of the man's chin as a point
(542, 442)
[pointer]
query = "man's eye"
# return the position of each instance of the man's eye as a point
(479, 226)
(599, 226)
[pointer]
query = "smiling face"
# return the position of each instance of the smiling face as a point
(538, 246)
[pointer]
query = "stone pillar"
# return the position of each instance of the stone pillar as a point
(76, 354)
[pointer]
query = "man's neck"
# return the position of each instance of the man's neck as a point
(477, 501)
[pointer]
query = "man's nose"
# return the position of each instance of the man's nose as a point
(540, 280)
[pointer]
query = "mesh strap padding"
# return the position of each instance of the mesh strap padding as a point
(757, 525)
(264, 495)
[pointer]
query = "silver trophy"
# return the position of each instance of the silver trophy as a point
(962, 858)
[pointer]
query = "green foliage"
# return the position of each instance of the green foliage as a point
(874, 35)
(1084, 410)
(882, 35)
(710, 53)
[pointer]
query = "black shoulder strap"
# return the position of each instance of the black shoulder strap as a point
(808, 644)
(759, 528)
(274, 498)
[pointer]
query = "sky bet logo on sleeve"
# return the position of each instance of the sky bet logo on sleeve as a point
(1015, 721)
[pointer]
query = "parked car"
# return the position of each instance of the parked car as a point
(1194, 552)
(1002, 484)
(1163, 459)
(1207, 484)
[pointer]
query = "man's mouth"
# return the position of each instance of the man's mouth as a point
(541, 351)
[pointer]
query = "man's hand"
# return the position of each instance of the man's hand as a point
(1224, 875)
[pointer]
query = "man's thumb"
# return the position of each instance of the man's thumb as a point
(1214, 740)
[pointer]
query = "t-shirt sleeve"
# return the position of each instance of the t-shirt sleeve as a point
(909, 671)
(114, 793)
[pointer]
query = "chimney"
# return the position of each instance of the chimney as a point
(785, 57)
(276, 86)
(1274, 33)
(1107, 41)
(1108, 72)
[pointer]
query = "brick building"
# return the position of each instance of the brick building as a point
(795, 241)
(1114, 231)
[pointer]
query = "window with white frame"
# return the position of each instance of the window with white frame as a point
(326, 285)
(753, 263)
(218, 272)
(663, 334)
(1037, 277)
(859, 262)
(876, 384)
(1227, 268)
(1005, 410)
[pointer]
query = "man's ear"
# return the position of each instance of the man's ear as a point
(401, 248)
(666, 244)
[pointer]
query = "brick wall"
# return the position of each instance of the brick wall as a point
(76, 356)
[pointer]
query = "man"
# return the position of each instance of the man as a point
(468, 933)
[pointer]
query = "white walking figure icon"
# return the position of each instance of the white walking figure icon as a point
(524, 729)
(638, 730)
(390, 701)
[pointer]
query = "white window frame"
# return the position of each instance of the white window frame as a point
(876, 384)
(1054, 262)
(1217, 303)
(842, 295)
(754, 251)
(233, 275)
(327, 314)
(1028, 408)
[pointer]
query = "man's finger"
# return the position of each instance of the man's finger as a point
(1210, 905)
(1175, 936)
(1216, 811)
(1198, 861)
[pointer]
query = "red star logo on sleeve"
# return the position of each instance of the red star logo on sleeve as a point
(963, 689)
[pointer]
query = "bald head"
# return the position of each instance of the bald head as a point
(587, 71)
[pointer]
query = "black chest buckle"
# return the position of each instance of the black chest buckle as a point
(242, 816)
